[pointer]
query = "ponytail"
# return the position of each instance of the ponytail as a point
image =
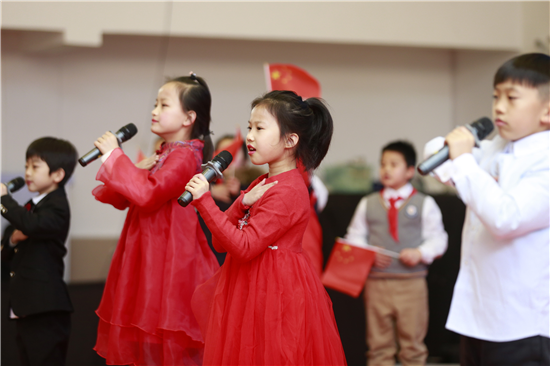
(318, 140)
(310, 120)
(195, 96)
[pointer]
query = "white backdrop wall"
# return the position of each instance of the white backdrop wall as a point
(376, 94)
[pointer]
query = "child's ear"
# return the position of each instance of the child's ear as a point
(291, 140)
(545, 118)
(191, 117)
(58, 175)
(410, 172)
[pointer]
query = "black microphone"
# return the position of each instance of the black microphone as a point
(124, 134)
(212, 169)
(480, 129)
(15, 184)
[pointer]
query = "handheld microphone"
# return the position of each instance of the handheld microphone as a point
(15, 184)
(124, 134)
(480, 129)
(211, 170)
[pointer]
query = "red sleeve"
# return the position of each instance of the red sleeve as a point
(237, 210)
(269, 222)
(104, 194)
(142, 188)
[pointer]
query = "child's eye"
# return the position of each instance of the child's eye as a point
(249, 128)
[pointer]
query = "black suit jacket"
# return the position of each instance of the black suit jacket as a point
(36, 264)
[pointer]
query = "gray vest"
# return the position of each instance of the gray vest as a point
(409, 219)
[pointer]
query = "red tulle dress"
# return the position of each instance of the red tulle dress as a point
(312, 242)
(162, 255)
(266, 304)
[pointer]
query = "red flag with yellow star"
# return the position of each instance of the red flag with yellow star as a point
(347, 268)
(290, 77)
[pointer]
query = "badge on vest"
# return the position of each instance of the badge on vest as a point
(411, 211)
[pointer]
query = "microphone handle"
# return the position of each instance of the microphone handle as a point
(186, 198)
(95, 153)
(434, 161)
(15, 184)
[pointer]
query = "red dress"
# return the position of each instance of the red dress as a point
(266, 304)
(161, 257)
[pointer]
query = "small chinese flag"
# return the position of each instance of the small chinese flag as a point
(235, 146)
(290, 77)
(347, 268)
(140, 156)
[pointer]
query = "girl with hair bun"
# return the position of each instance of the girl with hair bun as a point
(145, 315)
(266, 304)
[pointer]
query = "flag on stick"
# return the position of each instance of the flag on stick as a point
(290, 77)
(348, 267)
(235, 146)
(140, 156)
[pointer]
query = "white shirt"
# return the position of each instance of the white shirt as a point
(434, 237)
(502, 290)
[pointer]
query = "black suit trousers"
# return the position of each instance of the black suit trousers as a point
(531, 351)
(43, 338)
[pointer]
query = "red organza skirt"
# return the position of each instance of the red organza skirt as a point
(272, 310)
(145, 312)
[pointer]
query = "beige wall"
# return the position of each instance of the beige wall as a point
(478, 25)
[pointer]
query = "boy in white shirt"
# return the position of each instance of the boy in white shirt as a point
(402, 220)
(501, 298)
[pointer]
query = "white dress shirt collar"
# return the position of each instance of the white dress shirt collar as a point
(37, 199)
(403, 192)
(529, 144)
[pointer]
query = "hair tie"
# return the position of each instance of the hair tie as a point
(203, 136)
(193, 76)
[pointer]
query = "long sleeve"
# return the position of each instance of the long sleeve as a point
(47, 223)
(358, 229)
(434, 237)
(104, 194)
(268, 222)
(510, 213)
(142, 188)
(7, 249)
(237, 210)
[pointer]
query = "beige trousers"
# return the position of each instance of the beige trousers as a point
(397, 321)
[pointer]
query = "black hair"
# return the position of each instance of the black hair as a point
(530, 69)
(195, 96)
(309, 119)
(57, 153)
(405, 148)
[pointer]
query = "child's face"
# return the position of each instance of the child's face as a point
(168, 116)
(394, 172)
(519, 111)
(38, 177)
(263, 140)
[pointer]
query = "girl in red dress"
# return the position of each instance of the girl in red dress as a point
(162, 255)
(266, 304)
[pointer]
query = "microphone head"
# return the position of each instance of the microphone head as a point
(15, 184)
(223, 159)
(483, 127)
(127, 132)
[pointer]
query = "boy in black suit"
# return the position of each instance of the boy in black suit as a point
(34, 244)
